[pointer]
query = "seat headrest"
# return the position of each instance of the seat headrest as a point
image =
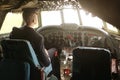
(20, 50)
(95, 63)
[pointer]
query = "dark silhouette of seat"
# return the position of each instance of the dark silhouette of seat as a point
(0, 53)
(19, 61)
(91, 64)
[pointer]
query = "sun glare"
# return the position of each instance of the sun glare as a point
(50, 18)
(70, 16)
(110, 27)
(89, 20)
(11, 20)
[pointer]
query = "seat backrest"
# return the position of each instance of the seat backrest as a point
(17, 54)
(91, 64)
(20, 50)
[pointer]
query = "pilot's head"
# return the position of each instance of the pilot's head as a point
(30, 16)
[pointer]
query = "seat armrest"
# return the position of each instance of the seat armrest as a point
(48, 69)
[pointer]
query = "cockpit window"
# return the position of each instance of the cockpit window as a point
(70, 15)
(11, 20)
(51, 18)
(89, 20)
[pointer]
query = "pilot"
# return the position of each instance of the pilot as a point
(30, 17)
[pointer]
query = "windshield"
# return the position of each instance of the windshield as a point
(55, 17)
(11, 20)
(69, 15)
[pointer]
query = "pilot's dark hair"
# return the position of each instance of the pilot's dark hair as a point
(28, 13)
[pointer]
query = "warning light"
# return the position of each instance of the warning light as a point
(66, 72)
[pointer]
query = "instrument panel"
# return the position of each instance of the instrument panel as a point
(60, 38)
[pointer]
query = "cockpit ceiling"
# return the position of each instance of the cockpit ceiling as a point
(107, 10)
(17, 5)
